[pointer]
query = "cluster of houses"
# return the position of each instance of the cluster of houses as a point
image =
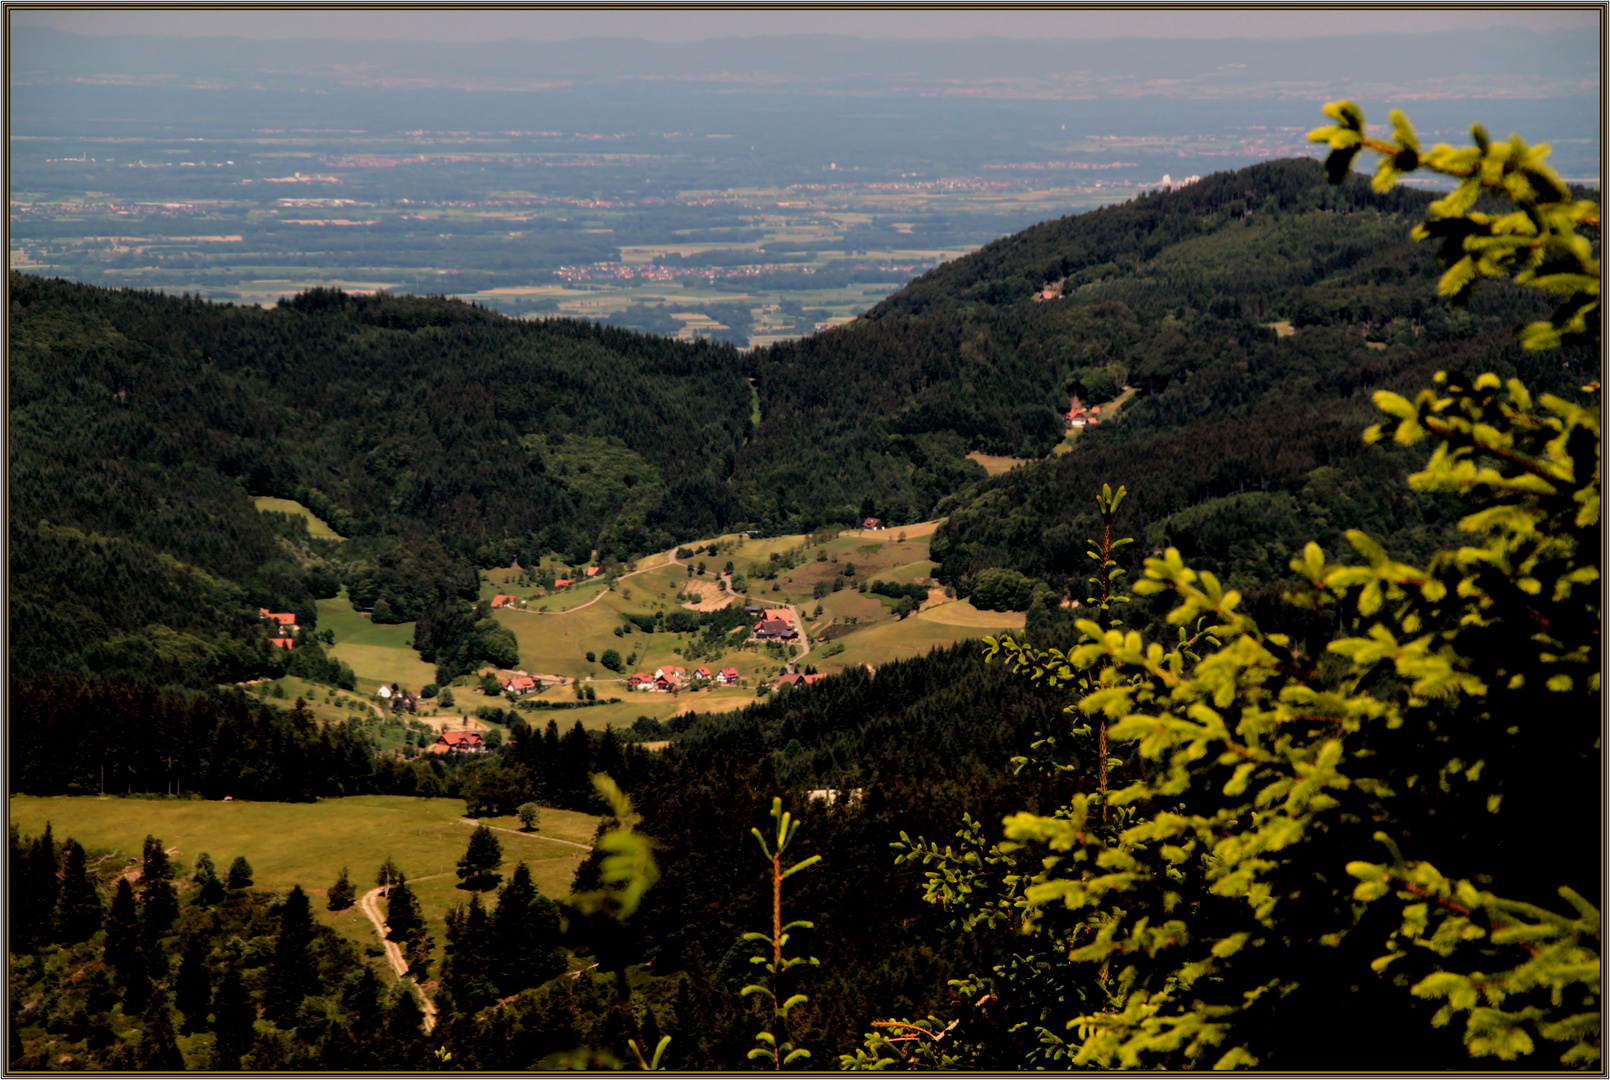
(284, 625)
(672, 678)
(1079, 416)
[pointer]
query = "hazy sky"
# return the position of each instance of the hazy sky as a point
(684, 25)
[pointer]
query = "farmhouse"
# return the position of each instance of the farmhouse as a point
(592, 571)
(703, 673)
(775, 628)
(798, 680)
(669, 678)
(500, 600)
(640, 681)
(286, 619)
(522, 684)
(462, 742)
(563, 583)
(728, 676)
(1079, 416)
(872, 524)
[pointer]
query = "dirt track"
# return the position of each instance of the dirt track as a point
(370, 906)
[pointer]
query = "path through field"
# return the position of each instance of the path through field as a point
(370, 904)
(529, 835)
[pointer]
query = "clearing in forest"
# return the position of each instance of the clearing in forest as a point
(307, 844)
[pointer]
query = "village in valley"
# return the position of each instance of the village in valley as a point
(710, 626)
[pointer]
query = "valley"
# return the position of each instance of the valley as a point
(388, 566)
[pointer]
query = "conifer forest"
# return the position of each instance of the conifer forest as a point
(1294, 764)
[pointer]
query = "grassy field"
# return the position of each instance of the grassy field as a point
(307, 844)
(317, 527)
(900, 639)
(996, 465)
(377, 654)
(326, 703)
(963, 613)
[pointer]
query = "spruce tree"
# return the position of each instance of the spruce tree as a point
(35, 883)
(122, 926)
(403, 1047)
(159, 905)
(78, 909)
(342, 894)
(210, 890)
(233, 1018)
(387, 874)
(240, 874)
(192, 992)
(481, 859)
(292, 973)
(159, 1049)
(526, 929)
(403, 918)
(467, 969)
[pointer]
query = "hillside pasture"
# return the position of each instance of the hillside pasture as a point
(317, 527)
(324, 702)
(963, 613)
(307, 844)
(377, 653)
(899, 639)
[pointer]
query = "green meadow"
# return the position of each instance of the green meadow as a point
(317, 527)
(307, 844)
(377, 654)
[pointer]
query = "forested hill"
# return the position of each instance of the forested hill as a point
(438, 436)
(433, 434)
(1253, 313)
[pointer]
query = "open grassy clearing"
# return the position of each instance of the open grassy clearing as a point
(963, 613)
(317, 527)
(996, 465)
(377, 653)
(378, 664)
(307, 844)
(325, 702)
(898, 639)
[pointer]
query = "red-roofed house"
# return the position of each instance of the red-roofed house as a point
(640, 681)
(592, 571)
(669, 678)
(501, 600)
(281, 642)
(286, 619)
(728, 676)
(703, 673)
(560, 583)
(872, 524)
(463, 742)
(522, 684)
(775, 628)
